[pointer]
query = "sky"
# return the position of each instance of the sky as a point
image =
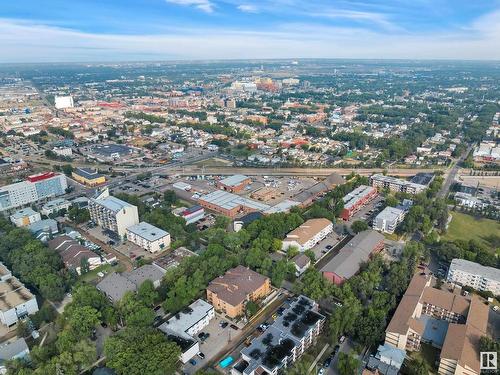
(142, 30)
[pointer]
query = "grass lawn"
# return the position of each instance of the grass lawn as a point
(428, 353)
(467, 227)
(92, 275)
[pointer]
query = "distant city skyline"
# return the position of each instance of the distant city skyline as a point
(112, 30)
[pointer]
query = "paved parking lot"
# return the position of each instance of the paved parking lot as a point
(326, 245)
(365, 214)
(219, 338)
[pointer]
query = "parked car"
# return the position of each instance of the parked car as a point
(321, 371)
(201, 355)
(328, 361)
(234, 327)
(342, 339)
(224, 324)
(192, 362)
(329, 247)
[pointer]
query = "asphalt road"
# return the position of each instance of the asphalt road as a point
(450, 177)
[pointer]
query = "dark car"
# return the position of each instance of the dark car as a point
(224, 324)
(104, 325)
(192, 362)
(329, 247)
(234, 327)
(328, 361)
(201, 335)
(157, 321)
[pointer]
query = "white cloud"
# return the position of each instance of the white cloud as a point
(34, 42)
(203, 5)
(248, 8)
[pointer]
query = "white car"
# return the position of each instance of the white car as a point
(321, 371)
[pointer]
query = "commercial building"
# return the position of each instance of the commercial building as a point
(111, 152)
(388, 219)
(25, 217)
(307, 196)
(234, 184)
(468, 200)
(54, 206)
(357, 199)
(396, 184)
(183, 327)
(229, 204)
(63, 151)
(34, 189)
(284, 341)
(112, 213)
(467, 273)
(148, 237)
(173, 258)
(230, 293)
(450, 322)
(62, 102)
(308, 234)
(88, 176)
(348, 260)
(182, 186)
(115, 285)
(193, 214)
(16, 301)
(74, 254)
(487, 153)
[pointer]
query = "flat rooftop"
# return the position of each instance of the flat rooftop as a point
(230, 201)
(113, 204)
(475, 268)
(13, 293)
(184, 320)
(389, 214)
(235, 180)
(147, 231)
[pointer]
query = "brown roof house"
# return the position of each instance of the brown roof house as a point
(445, 320)
(230, 293)
(73, 254)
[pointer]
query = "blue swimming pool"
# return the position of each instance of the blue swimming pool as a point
(226, 362)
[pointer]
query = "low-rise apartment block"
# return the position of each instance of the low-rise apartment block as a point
(148, 237)
(466, 273)
(308, 234)
(450, 322)
(54, 206)
(284, 341)
(388, 219)
(357, 199)
(230, 293)
(112, 213)
(25, 217)
(74, 254)
(16, 301)
(183, 327)
(396, 184)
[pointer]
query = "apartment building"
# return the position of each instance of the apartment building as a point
(74, 254)
(16, 301)
(308, 234)
(346, 263)
(34, 189)
(112, 213)
(230, 293)
(447, 321)
(183, 327)
(284, 341)
(149, 237)
(25, 217)
(396, 184)
(356, 200)
(388, 219)
(55, 206)
(467, 273)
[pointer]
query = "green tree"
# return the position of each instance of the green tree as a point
(138, 351)
(348, 364)
(359, 226)
(147, 293)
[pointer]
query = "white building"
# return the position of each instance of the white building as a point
(55, 206)
(148, 237)
(396, 184)
(387, 220)
(308, 234)
(467, 273)
(184, 327)
(63, 151)
(35, 188)
(25, 217)
(468, 200)
(62, 102)
(112, 213)
(16, 301)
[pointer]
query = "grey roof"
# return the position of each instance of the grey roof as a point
(87, 173)
(183, 321)
(383, 368)
(115, 286)
(389, 214)
(475, 268)
(147, 231)
(112, 203)
(48, 225)
(147, 272)
(54, 203)
(24, 212)
(346, 263)
(235, 180)
(12, 349)
(357, 194)
(229, 201)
